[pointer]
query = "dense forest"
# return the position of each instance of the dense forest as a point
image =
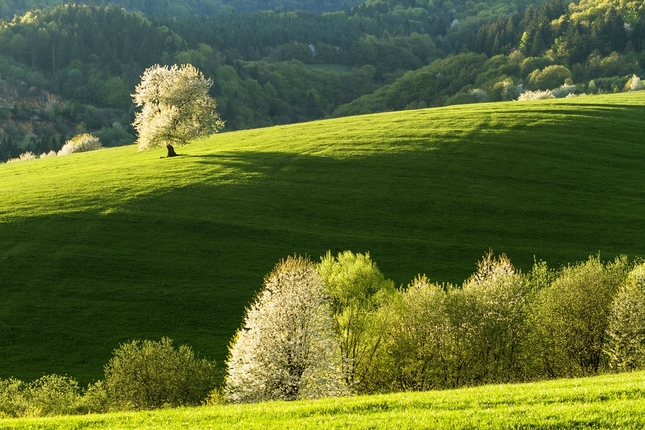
(71, 68)
(183, 8)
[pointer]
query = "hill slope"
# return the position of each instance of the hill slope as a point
(103, 247)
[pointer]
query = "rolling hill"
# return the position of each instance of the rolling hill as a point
(103, 247)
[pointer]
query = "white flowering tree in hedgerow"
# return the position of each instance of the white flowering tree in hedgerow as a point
(626, 332)
(286, 348)
(175, 107)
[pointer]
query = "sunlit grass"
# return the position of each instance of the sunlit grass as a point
(611, 402)
(102, 247)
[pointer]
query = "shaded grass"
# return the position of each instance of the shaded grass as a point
(100, 248)
(610, 401)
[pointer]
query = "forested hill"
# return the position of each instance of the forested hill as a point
(274, 68)
(184, 8)
(586, 47)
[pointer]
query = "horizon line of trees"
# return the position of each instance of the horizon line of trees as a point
(340, 327)
(274, 68)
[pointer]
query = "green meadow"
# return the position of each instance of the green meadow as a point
(609, 401)
(103, 247)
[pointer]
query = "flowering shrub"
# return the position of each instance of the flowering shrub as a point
(564, 91)
(286, 348)
(635, 84)
(535, 95)
(81, 143)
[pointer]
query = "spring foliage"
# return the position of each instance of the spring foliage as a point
(148, 375)
(175, 106)
(358, 290)
(626, 344)
(286, 348)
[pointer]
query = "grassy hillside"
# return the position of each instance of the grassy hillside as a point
(611, 401)
(99, 248)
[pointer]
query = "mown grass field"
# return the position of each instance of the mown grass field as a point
(605, 402)
(104, 247)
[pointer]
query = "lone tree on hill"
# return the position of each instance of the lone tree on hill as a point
(175, 107)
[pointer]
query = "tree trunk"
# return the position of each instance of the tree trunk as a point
(171, 151)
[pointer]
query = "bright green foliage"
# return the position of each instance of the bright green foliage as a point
(549, 78)
(626, 344)
(148, 375)
(46, 396)
(444, 336)
(571, 317)
(499, 293)
(286, 349)
(421, 339)
(358, 290)
(175, 106)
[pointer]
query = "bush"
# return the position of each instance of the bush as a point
(148, 375)
(535, 95)
(634, 84)
(53, 395)
(421, 339)
(49, 395)
(81, 143)
(500, 295)
(570, 317)
(13, 398)
(565, 90)
(25, 156)
(548, 78)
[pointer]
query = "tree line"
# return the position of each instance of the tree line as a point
(340, 327)
(92, 56)
(275, 68)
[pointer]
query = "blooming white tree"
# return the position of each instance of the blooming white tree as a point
(175, 107)
(635, 83)
(535, 95)
(81, 143)
(626, 345)
(286, 348)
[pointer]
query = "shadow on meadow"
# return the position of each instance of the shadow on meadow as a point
(184, 262)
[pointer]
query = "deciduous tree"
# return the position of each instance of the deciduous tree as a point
(175, 107)
(286, 348)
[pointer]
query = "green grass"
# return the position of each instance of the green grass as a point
(103, 247)
(611, 402)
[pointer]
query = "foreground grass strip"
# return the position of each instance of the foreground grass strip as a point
(609, 401)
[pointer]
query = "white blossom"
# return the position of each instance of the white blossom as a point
(286, 348)
(175, 106)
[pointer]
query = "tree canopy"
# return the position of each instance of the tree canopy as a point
(175, 107)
